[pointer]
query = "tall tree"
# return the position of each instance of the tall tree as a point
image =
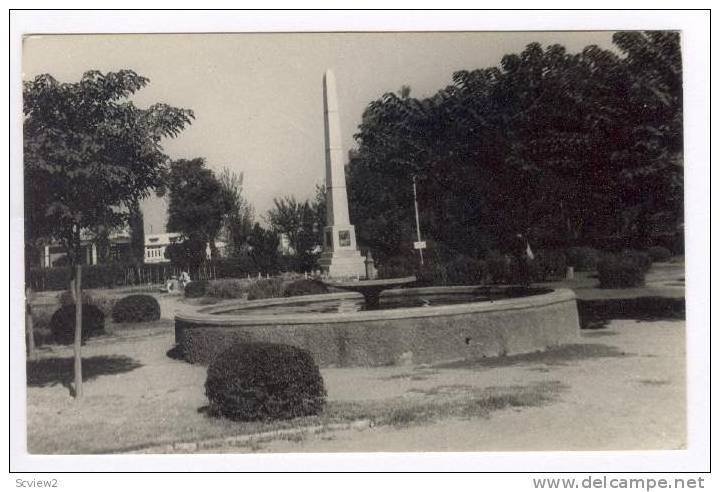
(88, 155)
(295, 219)
(567, 148)
(238, 222)
(198, 203)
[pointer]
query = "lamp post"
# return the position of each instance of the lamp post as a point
(418, 244)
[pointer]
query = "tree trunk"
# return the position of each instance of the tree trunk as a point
(29, 325)
(78, 329)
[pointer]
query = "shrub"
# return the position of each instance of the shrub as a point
(583, 259)
(659, 253)
(137, 308)
(465, 270)
(305, 287)
(196, 288)
(548, 265)
(231, 288)
(501, 268)
(104, 304)
(263, 381)
(642, 258)
(265, 289)
(397, 266)
(62, 324)
(621, 270)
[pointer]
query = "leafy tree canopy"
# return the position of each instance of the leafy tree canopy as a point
(89, 153)
(566, 148)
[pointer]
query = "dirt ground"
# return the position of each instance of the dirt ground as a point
(621, 387)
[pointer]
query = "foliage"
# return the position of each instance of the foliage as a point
(89, 153)
(262, 248)
(304, 287)
(228, 288)
(262, 381)
(621, 270)
(196, 288)
(62, 323)
(303, 223)
(101, 302)
(198, 203)
(548, 265)
(659, 253)
(266, 289)
(137, 308)
(641, 257)
(187, 254)
(583, 259)
(563, 147)
(238, 221)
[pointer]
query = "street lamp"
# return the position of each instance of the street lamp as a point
(419, 244)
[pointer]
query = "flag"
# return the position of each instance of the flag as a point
(529, 252)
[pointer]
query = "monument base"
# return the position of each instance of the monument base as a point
(343, 263)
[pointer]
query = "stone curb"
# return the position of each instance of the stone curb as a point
(192, 447)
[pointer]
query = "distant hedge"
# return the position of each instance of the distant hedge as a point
(196, 288)
(623, 270)
(137, 308)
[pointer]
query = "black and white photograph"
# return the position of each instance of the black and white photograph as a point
(241, 243)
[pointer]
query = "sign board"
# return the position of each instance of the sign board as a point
(419, 245)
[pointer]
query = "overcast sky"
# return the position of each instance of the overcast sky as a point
(257, 98)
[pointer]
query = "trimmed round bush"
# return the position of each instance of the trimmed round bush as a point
(137, 308)
(264, 381)
(305, 287)
(583, 259)
(659, 253)
(62, 323)
(622, 270)
(196, 288)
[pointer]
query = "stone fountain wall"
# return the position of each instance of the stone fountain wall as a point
(413, 336)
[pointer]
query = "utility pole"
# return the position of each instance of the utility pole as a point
(419, 244)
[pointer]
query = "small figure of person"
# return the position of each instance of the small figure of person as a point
(171, 284)
(522, 253)
(184, 279)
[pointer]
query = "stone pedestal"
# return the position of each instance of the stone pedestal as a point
(340, 257)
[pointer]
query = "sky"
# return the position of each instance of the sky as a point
(257, 98)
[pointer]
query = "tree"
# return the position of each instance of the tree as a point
(262, 246)
(198, 204)
(303, 224)
(238, 222)
(565, 148)
(88, 155)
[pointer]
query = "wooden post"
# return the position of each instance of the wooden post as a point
(78, 331)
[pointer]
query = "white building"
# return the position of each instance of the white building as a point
(155, 245)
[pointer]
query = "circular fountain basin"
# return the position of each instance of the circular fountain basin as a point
(409, 326)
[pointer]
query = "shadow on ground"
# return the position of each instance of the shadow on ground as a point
(553, 356)
(59, 370)
(597, 313)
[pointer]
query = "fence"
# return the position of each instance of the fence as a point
(124, 275)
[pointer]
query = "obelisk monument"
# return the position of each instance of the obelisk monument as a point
(340, 257)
